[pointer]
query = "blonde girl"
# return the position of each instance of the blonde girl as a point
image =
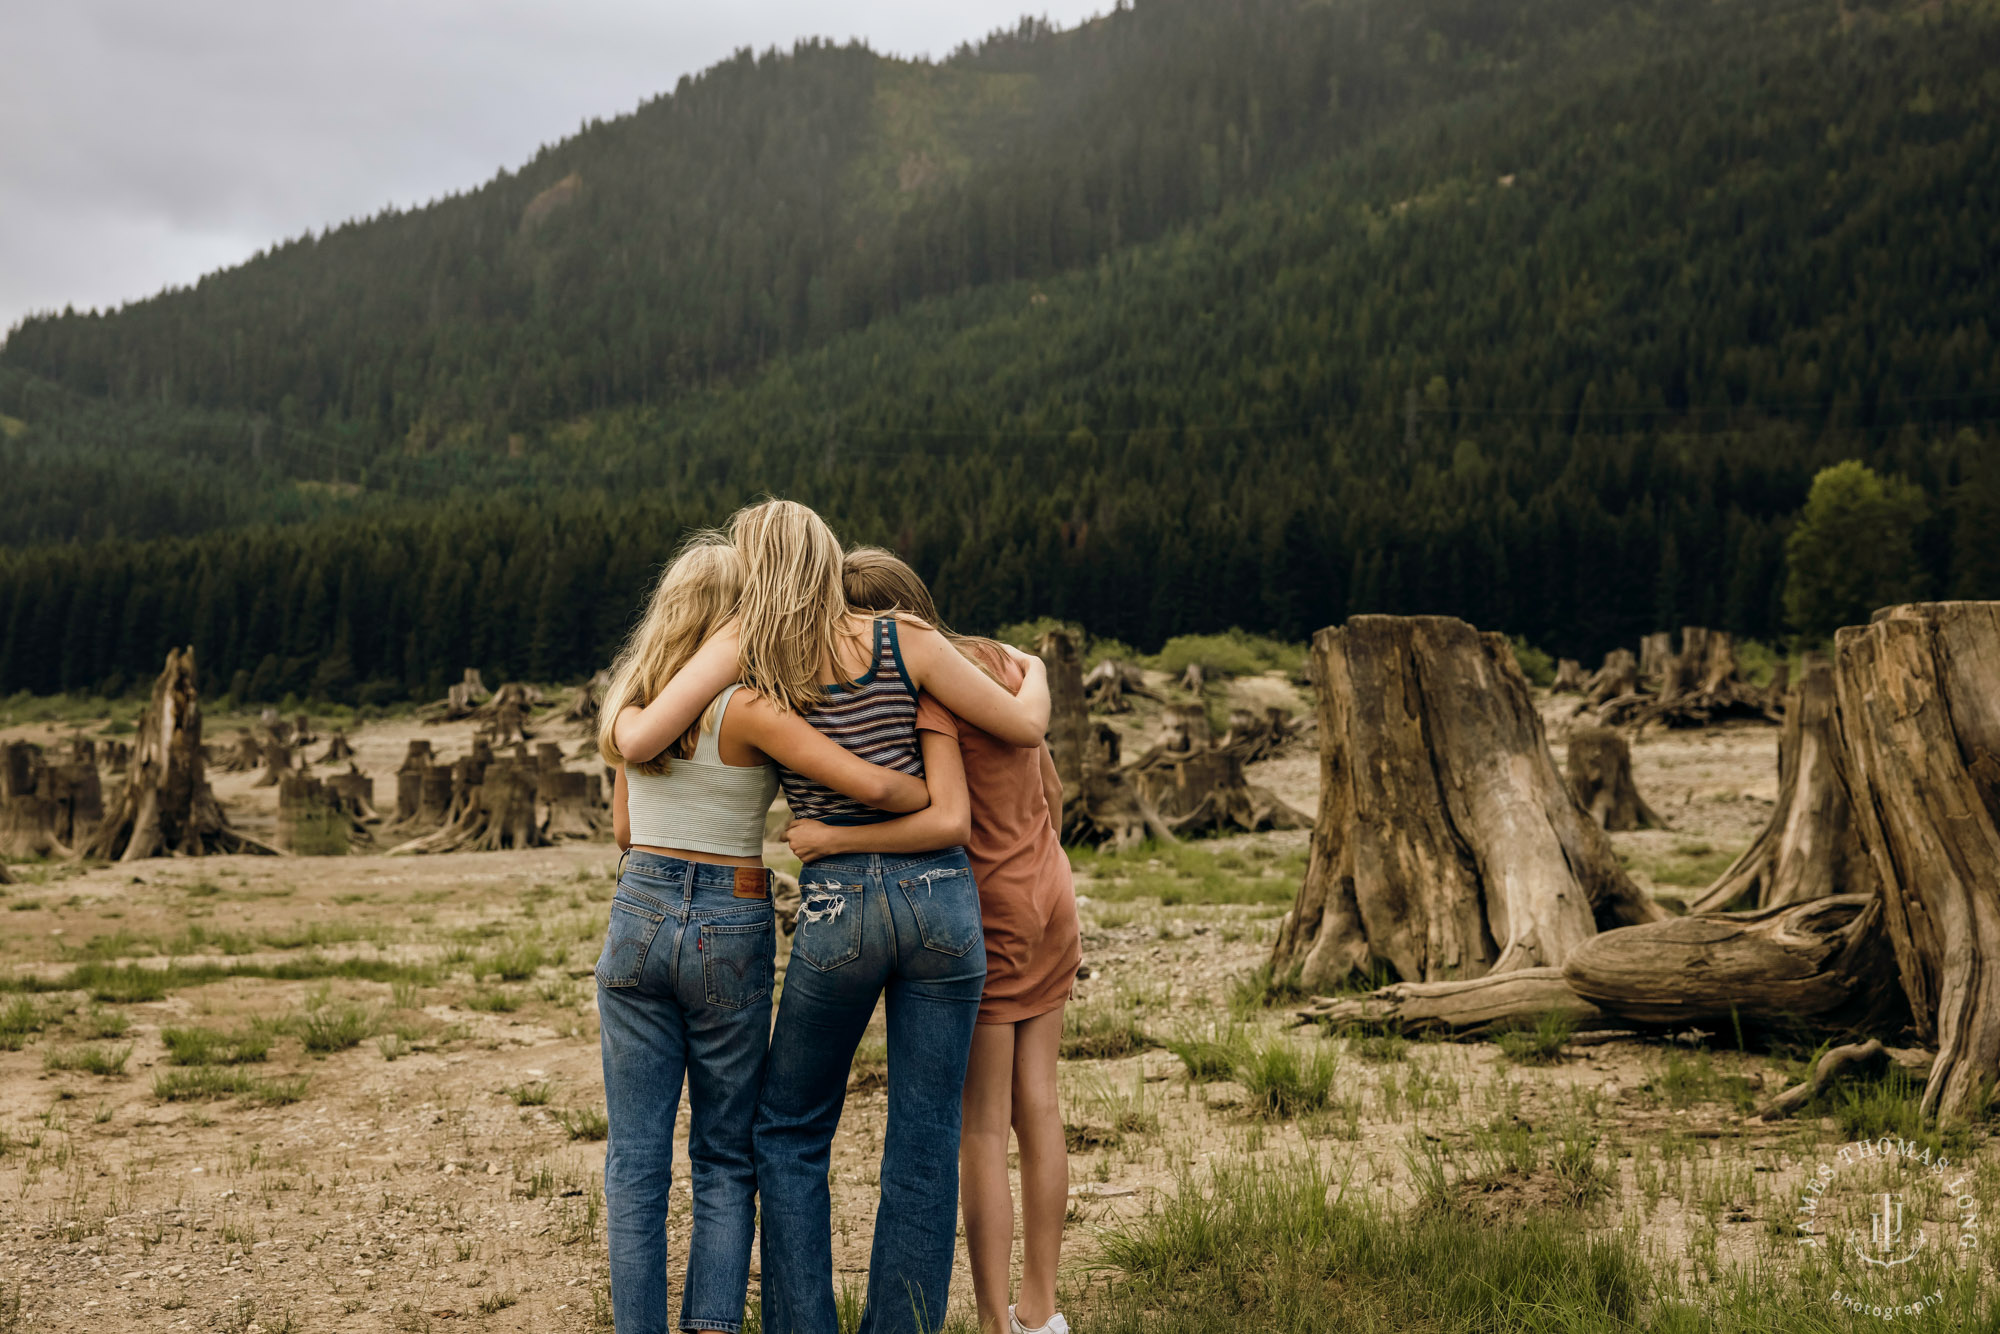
(1028, 915)
(685, 979)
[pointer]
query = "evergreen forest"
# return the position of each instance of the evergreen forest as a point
(1206, 313)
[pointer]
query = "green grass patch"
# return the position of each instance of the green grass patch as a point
(129, 983)
(1206, 1059)
(1283, 1247)
(207, 1046)
(324, 1029)
(585, 1123)
(1285, 1078)
(1687, 865)
(497, 1001)
(207, 1083)
(1102, 1032)
(20, 1019)
(90, 1060)
(1541, 1045)
(1188, 873)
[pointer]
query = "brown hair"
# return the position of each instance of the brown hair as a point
(878, 580)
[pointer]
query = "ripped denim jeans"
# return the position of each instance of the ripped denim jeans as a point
(871, 926)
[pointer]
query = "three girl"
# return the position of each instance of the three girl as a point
(893, 913)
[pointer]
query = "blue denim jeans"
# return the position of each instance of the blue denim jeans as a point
(870, 925)
(683, 988)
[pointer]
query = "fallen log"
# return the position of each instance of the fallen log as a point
(1823, 965)
(1489, 1004)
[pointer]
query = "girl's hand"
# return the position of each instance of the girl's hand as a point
(811, 840)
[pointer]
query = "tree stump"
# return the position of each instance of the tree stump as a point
(497, 813)
(1818, 965)
(1187, 729)
(311, 822)
(1918, 690)
(1618, 677)
(277, 763)
(1194, 680)
(247, 754)
(410, 782)
(166, 807)
(1111, 684)
(1600, 773)
(584, 703)
(1068, 722)
(356, 793)
(1203, 792)
(1447, 845)
(1810, 847)
(1569, 677)
(337, 749)
(1251, 738)
(1702, 684)
(302, 733)
(569, 811)
(116, 756)
(28, 810)
(1656, 659)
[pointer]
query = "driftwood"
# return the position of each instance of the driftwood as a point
(166, 806)
(1600, 773)
(1919, 707)
(1252, 738)
(1810, 847)
(1447, 844)
(1855, 1057)
(1701, 685)
(1569, 677)
(1823, 964)
(1203, 791)
(1110, 684)
(1481, 1005)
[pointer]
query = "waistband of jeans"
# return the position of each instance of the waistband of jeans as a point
(885, 863)
(674, 871)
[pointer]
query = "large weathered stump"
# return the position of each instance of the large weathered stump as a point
(1447, 845)
(1807, 966)
(1600, 773)
(29, 813)
(166, 806)
(493, 809)
(568, 809)
(1919, 699)
(1809, 848)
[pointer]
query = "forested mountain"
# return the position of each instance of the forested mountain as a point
(1540, 312)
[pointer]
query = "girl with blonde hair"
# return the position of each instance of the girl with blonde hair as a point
(904, 926)
(685, 978)
(1028, 916)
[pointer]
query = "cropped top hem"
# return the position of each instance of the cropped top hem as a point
(702, 804)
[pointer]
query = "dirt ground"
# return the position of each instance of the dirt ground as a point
(437, 1163)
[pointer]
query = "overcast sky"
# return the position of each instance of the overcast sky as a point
(143, 144)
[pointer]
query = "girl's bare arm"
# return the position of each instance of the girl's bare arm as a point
(621, 814)
(945, 823)
(1018, 719)
(642, 733)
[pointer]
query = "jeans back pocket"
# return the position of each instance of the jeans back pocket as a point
(946, 905)
(829, 928)
(626, 942)
(738, 961)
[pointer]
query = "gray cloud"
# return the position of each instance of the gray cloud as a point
(146, 144)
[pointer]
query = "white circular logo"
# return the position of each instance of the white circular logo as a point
(1890, 1222)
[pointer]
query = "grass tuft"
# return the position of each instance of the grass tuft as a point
(1541, 1045)
(206, 1046)
(90, 1060)
(1285, 1078)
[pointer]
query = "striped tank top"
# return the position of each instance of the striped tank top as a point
(876, 718)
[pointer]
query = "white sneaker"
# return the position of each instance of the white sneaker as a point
(1056, 1325)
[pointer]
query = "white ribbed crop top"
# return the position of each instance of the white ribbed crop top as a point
(703, 804)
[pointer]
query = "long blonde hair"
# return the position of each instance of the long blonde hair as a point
(697, 592)
(793, 613)
(878, 580)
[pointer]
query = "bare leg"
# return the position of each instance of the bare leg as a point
(986, 1197)
(1038, 1126)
